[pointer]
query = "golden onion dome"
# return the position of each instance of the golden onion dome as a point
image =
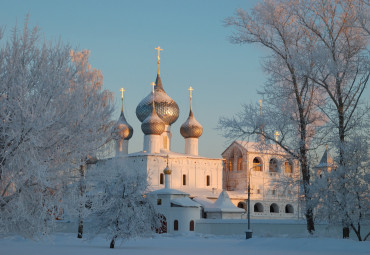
(122, 130)
(165, 107)
(153, 125)
(191, 128)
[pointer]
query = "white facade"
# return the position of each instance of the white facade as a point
(274, 179)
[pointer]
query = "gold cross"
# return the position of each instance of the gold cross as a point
(159, 49)
(191, 97)
(277, 136)
(122, 90)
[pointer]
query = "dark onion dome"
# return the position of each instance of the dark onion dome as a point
(122, 130)
(165, 106)
(153, 125)
(191, 128)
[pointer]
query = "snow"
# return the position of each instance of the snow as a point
(223, 204)
(184, 202)
(67, 243)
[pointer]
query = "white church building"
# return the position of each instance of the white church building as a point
(195, 193)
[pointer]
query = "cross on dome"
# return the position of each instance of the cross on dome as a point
(191, 97)
(159, 49)
(276, 136)
(122, 90)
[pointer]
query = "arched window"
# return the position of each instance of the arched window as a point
(289, 209)
(258, 207)
(288, 167)
(161, 178)
(231, 164)
(184, 179)
(274, 208)
(273, 167)
(257, 164)
(240, 164)
(241, 205)
(208, 180)
(176, 225)
(163, 228)
(191, 227)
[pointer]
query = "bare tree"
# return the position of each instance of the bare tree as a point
(342, 70)
(290, 100)
(53, 113)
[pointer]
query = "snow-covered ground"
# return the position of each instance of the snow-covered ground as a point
(68, 244)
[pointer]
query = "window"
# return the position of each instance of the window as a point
(273, 168)
(288, 167)
(258, 207)
(159, 201)
(208, 180)
(273, 192)
(240, 163)
(184, 179)
(241, 205)
(274, 208)
(231, 164)
(289, 209)
(176, 225)
(257, 164)
(258, 191)
(191, 227)
(161, 178)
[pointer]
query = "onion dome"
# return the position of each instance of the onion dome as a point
(153, 125)
(191, 128)
(167, 170)
(165, 107)
(122, 130)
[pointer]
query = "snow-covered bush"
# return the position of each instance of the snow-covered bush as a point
(120, 209)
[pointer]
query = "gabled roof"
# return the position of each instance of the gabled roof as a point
(223, 204)
(256, 147)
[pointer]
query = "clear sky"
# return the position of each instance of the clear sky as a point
(122, 35)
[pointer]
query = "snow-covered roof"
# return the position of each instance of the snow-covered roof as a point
(185, 202)
(258, 147)
(164, 153)
(223, 204)
(167, 191)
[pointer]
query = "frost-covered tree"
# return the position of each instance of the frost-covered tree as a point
(341, 69)
(54, 112)
(357, 189)
(290, 100)
(120, 209)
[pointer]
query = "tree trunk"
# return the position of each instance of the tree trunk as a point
(82, 191)
(80, 228)
(112, 243)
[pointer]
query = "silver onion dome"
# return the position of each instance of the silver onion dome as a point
(191, 128)
(165, 107)
(122, 130)
(153, 125)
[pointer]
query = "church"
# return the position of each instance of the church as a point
(195, 193)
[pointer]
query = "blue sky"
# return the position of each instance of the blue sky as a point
(122, 35)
